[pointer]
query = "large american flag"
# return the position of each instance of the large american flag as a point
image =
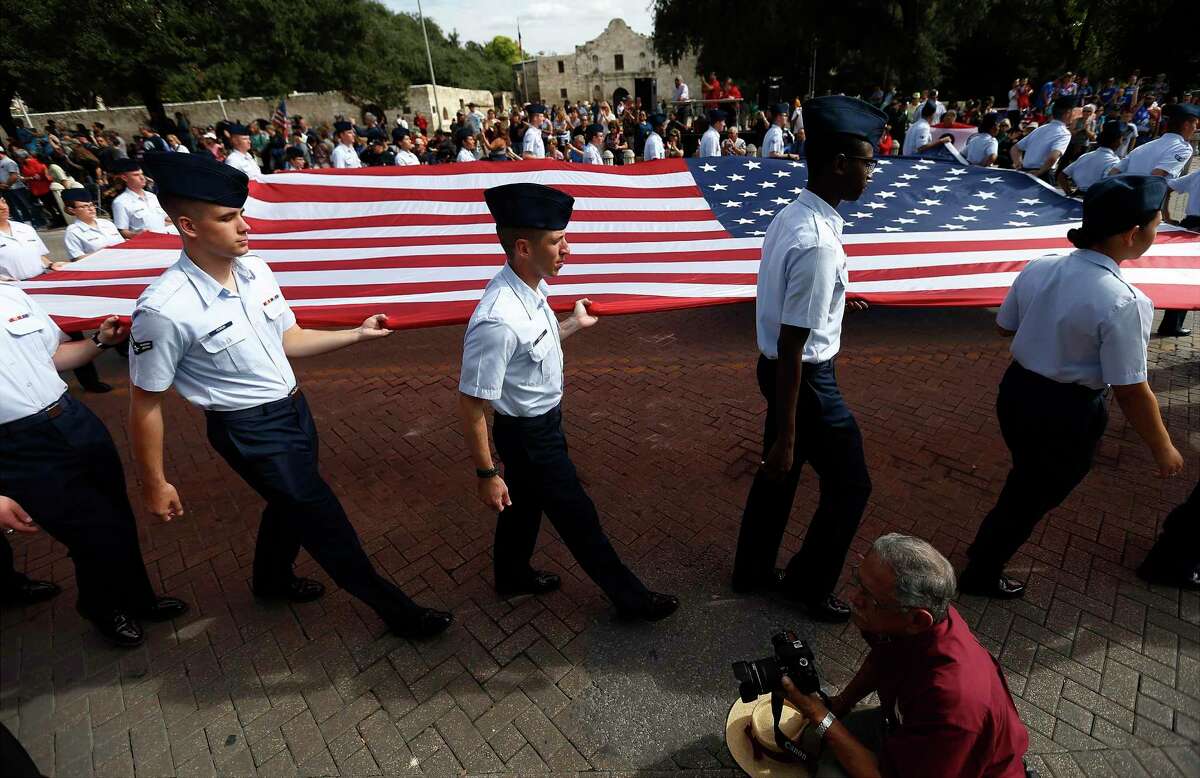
(418, 243)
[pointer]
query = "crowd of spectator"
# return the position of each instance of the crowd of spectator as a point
(37, 166)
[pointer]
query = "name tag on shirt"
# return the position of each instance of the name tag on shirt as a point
(220, 329)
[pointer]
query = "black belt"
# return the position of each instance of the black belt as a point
(1057, 388)
(504, 419)
(258, 410)
(51, 411)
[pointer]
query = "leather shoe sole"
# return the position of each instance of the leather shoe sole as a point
(429, 623)
(539, 583)
(299, 590)
(30, 592)
(164, 609)
(830, 610)
(1174, 333)
(997, 587)
(656, 607)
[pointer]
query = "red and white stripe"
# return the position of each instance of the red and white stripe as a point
(419, 245)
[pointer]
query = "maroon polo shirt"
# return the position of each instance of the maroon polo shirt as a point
(948, 709)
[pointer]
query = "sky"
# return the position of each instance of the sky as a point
(553, 26)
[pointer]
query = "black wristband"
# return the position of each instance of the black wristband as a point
(489, 473)
(99, 343)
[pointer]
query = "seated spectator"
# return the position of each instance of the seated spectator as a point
(945, 709)
(575, 152)
(213, 146)
(294, 159)
(552, 150)
(733, 145)
(615, 142)
(674, 144)
(176, 146)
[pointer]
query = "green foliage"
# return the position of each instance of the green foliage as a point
(504, 49)
(964, 48)
(156, 51)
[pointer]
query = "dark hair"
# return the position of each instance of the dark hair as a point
(510, 235)
(821, 151)
(1110, 133)
(1085, 238)
(929, 109)
(989, 122)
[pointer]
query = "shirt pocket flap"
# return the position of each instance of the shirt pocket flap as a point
(23, 325)
(274, 307)
(539, 350)
(217, 342)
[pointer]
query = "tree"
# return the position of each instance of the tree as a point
(503, 49)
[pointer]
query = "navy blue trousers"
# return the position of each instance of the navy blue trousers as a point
(274, 448)
(542, 479)
(828, 438)
(66, 473)
(1052, 430)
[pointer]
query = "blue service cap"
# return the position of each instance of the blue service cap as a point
(342, 126)
(238, 129)
(376, 134)
(125, 165)
(535, 108)
(1115, 204)
(79, 195)
(595, 129)
(1064, 104)
(531, 206)
(716, 116)
(839, 114)
(198, 177)
(1181, 111)
(781, 108)
(657, 119)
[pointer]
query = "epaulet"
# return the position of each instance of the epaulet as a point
(161, 291)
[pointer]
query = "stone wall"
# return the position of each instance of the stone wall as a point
(317, 107)
(590, 72)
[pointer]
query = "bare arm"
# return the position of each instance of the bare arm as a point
(1018, 157)
(1048, 163)
(1140, 406)
(864, 682)
(778, 461)
(299, 342)
(146, 433)
(128, 234)
(78, 353)
(493, 492)
(1064, 182)
(578, 320)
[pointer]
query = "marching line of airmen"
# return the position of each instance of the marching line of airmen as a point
(216, 327)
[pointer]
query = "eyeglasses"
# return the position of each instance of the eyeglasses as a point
(870, 162)
(857, 583)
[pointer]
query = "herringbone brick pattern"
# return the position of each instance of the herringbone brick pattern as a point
(664, 422)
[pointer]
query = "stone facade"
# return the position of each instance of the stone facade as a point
(617, 58)
(317, 107)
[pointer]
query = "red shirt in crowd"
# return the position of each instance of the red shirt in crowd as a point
(38, 181)
(948, 708)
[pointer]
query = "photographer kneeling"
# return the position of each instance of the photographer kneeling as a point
(945, 709)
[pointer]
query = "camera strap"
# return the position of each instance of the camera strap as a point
(790, 746)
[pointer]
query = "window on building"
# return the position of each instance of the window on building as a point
(561, 69)
(618, 61)
(562, 93)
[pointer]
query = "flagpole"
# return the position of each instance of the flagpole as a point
(429, 56)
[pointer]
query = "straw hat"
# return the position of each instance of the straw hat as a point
(750, 736)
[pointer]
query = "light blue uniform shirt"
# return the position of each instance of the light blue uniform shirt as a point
(1170, 153)
(533, 143)
(512, 353)
(1091, 167)
(654, 148)
(773, 141)
(222, 350)
(802, 278)
(710, 143)
(1037, 145)
(1078, 321)
(28, 339)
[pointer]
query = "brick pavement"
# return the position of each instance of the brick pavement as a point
(664, 421)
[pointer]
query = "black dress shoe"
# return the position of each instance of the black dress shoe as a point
(296, 590)
(537, 582)
(998, 587)
(1179, 333)
(768, 583)
(428, 623)
(1187, 581)
(121, 629)
(654, 607)
(99, 387)
(29, 591)
(164, 609)
(829, 609)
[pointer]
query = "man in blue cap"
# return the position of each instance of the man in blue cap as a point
(802, 285)
(404, 142)
(344, 154)
(710, 141)
(137, 210)
(240, 157)
(1078, 327)
(1039, 151)
(532, 146)
(774, 146)
(1167, 156)
(513, 359)
(89, 233)
(593, 147)
(215, 325)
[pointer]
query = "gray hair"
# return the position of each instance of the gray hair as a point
(924, 578)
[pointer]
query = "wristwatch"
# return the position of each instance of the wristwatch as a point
(491, 472)
(825, 724)
(99, 343)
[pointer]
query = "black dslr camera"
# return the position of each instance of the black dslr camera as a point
(793, 658)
